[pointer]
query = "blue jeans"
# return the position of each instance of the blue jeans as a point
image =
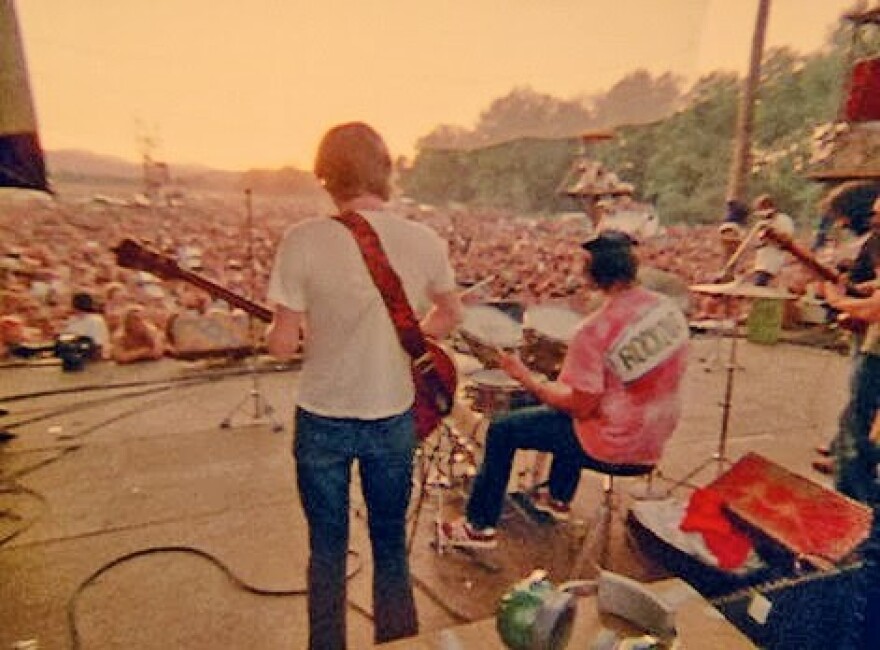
(325, 449)
(855, 454)
(538, 428)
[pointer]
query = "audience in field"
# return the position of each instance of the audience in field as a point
(52, 250)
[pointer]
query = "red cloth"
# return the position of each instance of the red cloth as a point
(705, 515)
(863, 103)
(800, 515)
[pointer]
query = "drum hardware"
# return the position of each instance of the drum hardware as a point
(491, 391)
(547, 332)
(728, 291)
(542, 353)
(445, 461)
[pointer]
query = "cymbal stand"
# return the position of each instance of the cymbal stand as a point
(719, 458)
(262, 410)
(727, 274)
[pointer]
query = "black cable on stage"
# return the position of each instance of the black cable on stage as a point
(81, 406)
(205, 377)
(17, 488)
(234, 579)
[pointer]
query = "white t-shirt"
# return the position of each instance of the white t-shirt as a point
(770, 257)
(354, 365)
(91, 325)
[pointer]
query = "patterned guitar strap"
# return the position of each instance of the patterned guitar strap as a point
(402, 315)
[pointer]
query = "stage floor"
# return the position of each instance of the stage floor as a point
(130, 518)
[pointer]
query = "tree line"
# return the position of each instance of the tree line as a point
(673, 143)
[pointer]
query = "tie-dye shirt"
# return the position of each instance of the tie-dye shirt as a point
(632, 353)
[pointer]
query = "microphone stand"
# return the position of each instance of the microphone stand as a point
(262, 410)
(726, 274)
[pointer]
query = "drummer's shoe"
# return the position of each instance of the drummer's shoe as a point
(461, 534)
(543, 502)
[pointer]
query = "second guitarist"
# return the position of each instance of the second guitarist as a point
(855, 453)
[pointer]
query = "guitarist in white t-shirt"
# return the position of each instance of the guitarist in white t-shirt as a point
(355, 392)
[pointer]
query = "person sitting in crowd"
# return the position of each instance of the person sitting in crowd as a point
(13, 334)
(769, 258)
(613, 407)
(88, 322)
(136, 338)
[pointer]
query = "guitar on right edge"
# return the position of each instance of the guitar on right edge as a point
(822, 270)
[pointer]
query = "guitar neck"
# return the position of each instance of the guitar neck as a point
(133, 255)
(215, 290)
(809, 260)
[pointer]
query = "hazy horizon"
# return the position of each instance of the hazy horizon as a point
(233, 87)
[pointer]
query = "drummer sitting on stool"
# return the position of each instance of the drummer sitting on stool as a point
(613, 407)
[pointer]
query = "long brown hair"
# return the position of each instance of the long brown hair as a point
(353, 160)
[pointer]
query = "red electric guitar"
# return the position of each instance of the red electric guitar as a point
(132, 255)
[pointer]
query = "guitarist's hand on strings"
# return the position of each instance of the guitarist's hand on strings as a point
(832, 292)
(861, 308)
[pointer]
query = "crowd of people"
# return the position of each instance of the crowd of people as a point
(612, 407)
(54, 249)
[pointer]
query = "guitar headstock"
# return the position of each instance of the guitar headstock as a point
(133, 255)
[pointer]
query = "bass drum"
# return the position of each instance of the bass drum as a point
(547, 332)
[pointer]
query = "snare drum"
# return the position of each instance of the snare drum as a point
(492, 391)
(547, 331)
(484, 329)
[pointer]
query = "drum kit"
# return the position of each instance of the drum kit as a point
(541, 339)
(540, 335)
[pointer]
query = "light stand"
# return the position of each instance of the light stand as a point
(262, 410)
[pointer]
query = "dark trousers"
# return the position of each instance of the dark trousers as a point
(325, 450)
(538, 428)
(855, 454)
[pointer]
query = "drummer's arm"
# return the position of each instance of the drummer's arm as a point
(443, 316)
(555, 394)
(576, 403)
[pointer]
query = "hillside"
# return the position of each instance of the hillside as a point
(78, 166)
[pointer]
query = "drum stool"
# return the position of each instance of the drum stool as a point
(599, 535)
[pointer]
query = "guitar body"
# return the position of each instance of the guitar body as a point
(427, 411)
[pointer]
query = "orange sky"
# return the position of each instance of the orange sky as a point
(237, 84)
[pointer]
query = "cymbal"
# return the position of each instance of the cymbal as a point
(742, 290)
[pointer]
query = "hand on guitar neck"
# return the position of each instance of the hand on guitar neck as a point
(831, 276)
(133, 255)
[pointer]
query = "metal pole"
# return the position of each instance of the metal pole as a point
(738, 183)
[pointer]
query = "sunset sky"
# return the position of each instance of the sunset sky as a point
(236, 84)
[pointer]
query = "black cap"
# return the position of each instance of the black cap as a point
(610, 241)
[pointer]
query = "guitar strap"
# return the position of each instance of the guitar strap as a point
(402, 315)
